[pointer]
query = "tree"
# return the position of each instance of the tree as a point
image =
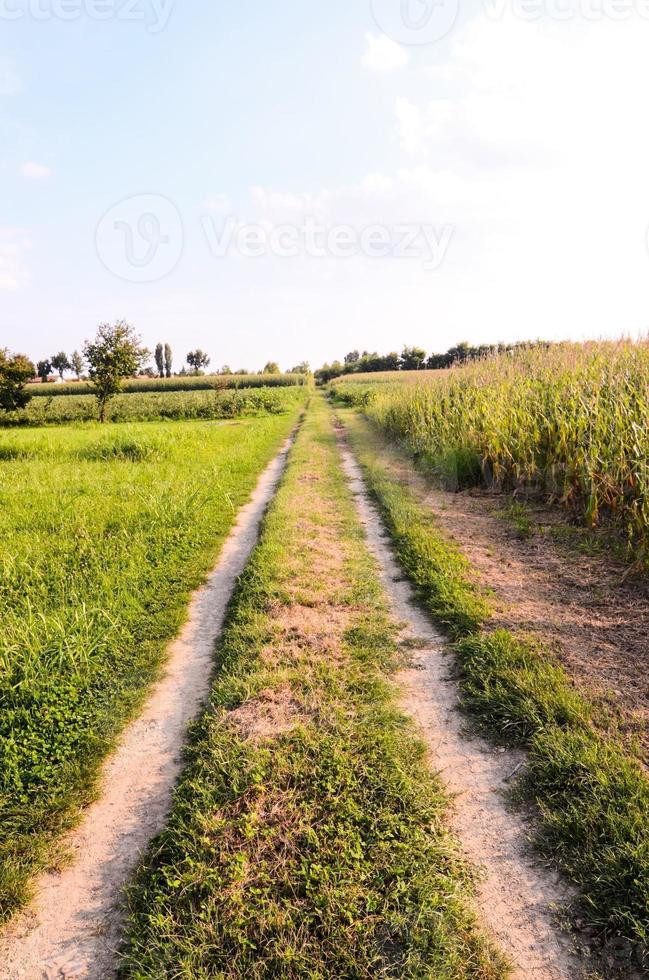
(226, 369)
(169, 360)
(76, 363)
(302, 368)
(160, 359)
(413, 358)
(391, 362)
(272, 367)
(353, 357)
(115, 353)
(44, 369)
(15, 372)
(198, 359)
(61, 363)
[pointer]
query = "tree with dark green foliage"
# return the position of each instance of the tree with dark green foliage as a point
(76, 362)
(198, 360)
(116, 353)
(44, 369)
(169, 360)
(15, 372)
(61, 363)
(302, 368)
(413, 358)
(160, 360)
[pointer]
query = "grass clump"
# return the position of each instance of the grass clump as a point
(515, 689)
(128, 450)
(594, 804)
(97, 559)
(592, 796)
(307, 836)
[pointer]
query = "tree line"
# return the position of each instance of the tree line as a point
(115, 354)
(197, 360)
(416, 359)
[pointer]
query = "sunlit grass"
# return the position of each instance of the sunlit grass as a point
(104, 531)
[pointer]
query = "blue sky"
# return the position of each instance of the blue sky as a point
(516, 145)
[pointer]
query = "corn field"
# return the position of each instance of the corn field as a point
(572, 420)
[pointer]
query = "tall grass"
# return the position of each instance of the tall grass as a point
(572, 421)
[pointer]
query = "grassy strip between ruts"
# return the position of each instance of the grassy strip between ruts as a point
(307, 837)
(592, 797)
(104, 533)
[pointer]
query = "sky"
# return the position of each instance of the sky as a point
(291, 180)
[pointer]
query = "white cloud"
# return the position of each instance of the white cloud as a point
(383, 54)
(542, 174)
(13, 245)
(35, 171)
(418, 126)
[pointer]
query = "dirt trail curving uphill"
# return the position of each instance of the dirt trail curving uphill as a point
(516, 896)
(72, 929)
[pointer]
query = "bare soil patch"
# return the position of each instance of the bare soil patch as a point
(270, 714)
(544, 585)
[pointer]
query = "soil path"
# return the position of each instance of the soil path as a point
(516, 896)
(72, 929)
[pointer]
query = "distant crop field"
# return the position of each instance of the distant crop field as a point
(389, 377)
(211, 382)
(572, 420)
(104, 532)
(156, 405)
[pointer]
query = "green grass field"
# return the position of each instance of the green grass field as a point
(154, 405)
(104, 532)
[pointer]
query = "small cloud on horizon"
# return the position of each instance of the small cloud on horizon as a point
(35, 171)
